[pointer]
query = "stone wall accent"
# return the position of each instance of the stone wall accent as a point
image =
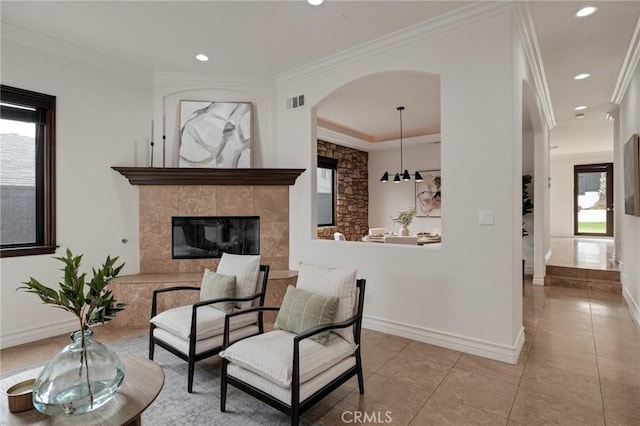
(158, 203)
(352, 208)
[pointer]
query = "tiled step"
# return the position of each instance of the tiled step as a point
(587, 279)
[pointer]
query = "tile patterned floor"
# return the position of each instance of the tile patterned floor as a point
(580, 365)
(587, 253)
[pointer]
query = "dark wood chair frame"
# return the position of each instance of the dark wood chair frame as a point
(297, 408)
(192, 357)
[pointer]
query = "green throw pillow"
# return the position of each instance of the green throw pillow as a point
(302, 310)
(218, 286)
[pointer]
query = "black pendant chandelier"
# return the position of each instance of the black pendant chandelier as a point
(401, 176)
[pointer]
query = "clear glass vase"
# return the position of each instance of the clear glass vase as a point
(82, 377)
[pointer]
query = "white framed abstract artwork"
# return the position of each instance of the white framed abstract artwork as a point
(215, 134)
(429, 195)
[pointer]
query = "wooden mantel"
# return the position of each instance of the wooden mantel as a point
(205, 176)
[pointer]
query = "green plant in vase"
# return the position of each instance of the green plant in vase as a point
(59, 389)
(404, 219)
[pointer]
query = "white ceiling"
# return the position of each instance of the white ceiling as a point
(267, 38)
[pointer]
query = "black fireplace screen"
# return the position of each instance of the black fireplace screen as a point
(209, 236)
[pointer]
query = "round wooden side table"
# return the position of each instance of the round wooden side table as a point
(142, 383)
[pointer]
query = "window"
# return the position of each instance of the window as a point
(27, 172)
(327, 191)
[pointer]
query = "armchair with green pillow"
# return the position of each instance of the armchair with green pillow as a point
(313, 350)
(195, 332)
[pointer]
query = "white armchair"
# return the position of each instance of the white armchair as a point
(313, 351)
(195, 332)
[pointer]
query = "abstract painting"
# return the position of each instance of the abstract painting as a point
(631, 158)
(428, 195)
(215, 134)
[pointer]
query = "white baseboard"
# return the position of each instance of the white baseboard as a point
(528, 270)
(498, 352)
(37, 333)
(538, 280)
(633, 306)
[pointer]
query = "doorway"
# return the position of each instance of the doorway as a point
(593, 199)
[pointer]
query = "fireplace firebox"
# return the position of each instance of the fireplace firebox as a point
(201, 237)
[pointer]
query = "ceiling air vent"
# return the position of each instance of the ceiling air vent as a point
(295, 102)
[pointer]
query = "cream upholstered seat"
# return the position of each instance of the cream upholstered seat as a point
(195, 332)
(286, 367)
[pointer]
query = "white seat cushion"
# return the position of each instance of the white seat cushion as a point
(270, 355)
(307, 388)
(204, 344)
(210, 321)
(332, 282)
(246, 269)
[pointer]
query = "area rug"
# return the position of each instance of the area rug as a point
(175, 406)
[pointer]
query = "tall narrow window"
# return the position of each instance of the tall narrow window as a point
(326, 191)
(27, 172)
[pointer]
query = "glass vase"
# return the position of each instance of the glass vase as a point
(82, 377)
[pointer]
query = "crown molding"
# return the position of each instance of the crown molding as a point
(628, 67)
(68, 50)
(525, 23)
(448, 21)
(338, 138)
(214, 79)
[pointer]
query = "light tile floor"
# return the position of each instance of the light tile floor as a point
(580, 365)
(585, 253)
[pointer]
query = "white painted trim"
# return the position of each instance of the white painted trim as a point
(446, 22)
(357, 143)
(547, 256)
(528, 270)
(538, 280)
(628, 67)
(509, 354)
(525, 22)
(38, 333)
(342, 139)
(68, 50)
(633, 306)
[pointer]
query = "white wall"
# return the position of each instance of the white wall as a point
(562, 188)
(386, 199)
(103, 119)
(630, 225)
(467, 295)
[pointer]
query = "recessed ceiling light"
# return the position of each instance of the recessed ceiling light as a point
(580, 108)
(315, 2)
(580, 115)
(581, 76)
(202, 57)
(586, 11)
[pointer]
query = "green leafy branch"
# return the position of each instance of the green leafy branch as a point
(97, 305)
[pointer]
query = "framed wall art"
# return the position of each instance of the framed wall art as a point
(215, 134)
(631, 159)
(428, 194)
